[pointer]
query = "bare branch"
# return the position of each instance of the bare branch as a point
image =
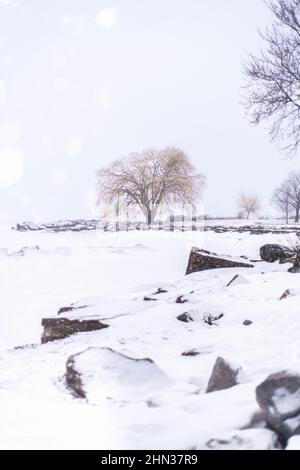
(273, 78)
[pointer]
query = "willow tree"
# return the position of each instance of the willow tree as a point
(149, 180)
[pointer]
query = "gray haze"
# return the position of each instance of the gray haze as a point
(81, 86)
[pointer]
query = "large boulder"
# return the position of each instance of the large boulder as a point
(225, 375)
(248, 439)
(102, 373)
(202, 260)
(279, 399)
(59, 328)
(273, 252)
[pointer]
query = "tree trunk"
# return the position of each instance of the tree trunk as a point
(149, 213)
(287, 214)
(297, 214)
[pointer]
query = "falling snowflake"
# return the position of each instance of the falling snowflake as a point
(107, 18)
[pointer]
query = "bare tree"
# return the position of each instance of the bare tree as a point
(293, 182)
(249, 204)
(150, 179)
(273, 85)
(287, 196)
(282, 199)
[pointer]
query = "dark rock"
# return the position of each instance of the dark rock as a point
(185, 317)
(149, 299)
(273, 252)
(247, 322)
(224, 375)
(285, 294)
(64, 310)
(181, 300)
(160, 291)
(25, 346)
(191, 352)
(279, 399)
(70, 308)
(212, 319)
(60, 328)
(202, 260)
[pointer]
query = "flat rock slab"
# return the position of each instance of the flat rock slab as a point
(60, 328)
(202, 260)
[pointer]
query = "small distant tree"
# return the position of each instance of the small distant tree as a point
(249, 204)
(149, 180)
(282, 199)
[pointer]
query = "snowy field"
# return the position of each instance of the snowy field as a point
(113, 273)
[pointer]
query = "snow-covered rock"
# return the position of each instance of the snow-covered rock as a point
(102, 373)
(279, 399)
(202, 260)
(248, 439)
(290, 293)
(185, 317)
(237, 280)
(210, 317)
(225, 375)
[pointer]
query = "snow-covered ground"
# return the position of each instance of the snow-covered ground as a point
(113, 273)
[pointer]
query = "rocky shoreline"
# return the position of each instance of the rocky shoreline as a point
(79, 225)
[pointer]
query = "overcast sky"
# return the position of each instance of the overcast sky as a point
(83, 82)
